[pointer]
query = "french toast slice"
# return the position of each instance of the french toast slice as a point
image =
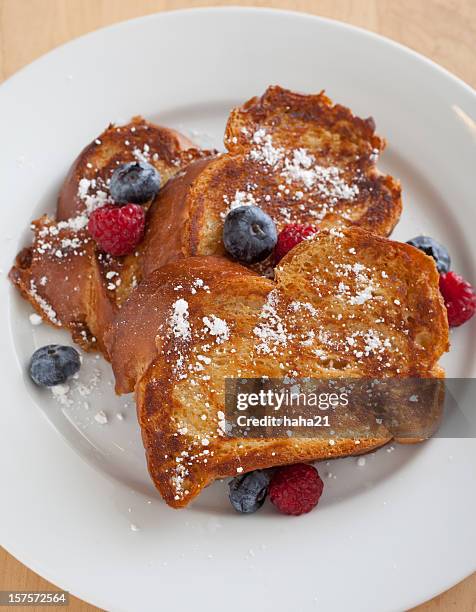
(66, 278)
(299, 157)
(345, 304)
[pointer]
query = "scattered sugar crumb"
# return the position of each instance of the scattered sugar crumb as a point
(101, 417)
(59, 390)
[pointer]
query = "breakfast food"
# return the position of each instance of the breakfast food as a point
(67, 277)
(434, 249)
(188, 268)
(248, 492)
(295, 489)
(53, 364)
(345, 303)
(249, 234)
(117, 230)
(134, 183)
(290, 236)
(460, 298)
(299, 158)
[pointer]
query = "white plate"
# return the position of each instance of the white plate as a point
(386, 536)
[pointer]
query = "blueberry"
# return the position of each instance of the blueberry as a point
(134, 183)
(434, 249)
(52, 364)
(249, 234)
(248, 492)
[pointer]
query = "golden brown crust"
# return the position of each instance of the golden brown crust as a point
(227, 459)
(325, 169)
(410, 279)
(131, 339)
(336, 139)
(278, 108)
(167, 221)
(67, 291)
(160, 146)
(330, 313)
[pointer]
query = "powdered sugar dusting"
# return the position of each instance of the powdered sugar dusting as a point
(179, 319)
(299, 184)
(241, 198)
(93, 192)
(48, 310)
(327, 181)
(217, 327)
(264, 151)
(271, 330)
(177, 480)
(362, 283)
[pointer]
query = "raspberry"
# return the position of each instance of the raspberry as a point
(117, 230)
(289, 236)
(295, 489)
(459, 296)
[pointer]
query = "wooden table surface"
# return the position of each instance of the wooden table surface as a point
(444, 30)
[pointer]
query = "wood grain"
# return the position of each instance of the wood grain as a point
(444, 30)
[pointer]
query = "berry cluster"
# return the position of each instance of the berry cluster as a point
(458, 295)
(119, 227)
(292, 489)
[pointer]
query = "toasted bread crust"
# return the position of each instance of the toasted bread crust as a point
(396, 323)
(129, 340)
(336, 138)
(414, 282)
(163, 147)
(67, 291)
(159, 438)
(277, 104)
(168, 221)
(325, 169)
(157, 408)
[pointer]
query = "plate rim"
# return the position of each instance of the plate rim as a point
(24, 73)
(251, 9)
